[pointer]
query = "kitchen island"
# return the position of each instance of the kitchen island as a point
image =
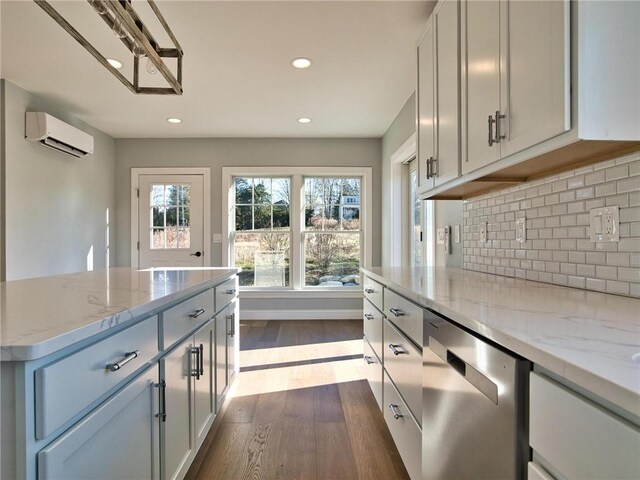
(584, 347)
(143, 356)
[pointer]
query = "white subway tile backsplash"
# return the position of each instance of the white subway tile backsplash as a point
(558, 248)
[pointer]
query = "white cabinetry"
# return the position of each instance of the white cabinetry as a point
(605, 446)
(515, 81)
(119, 440)
(439, 96)
(225, 363)
(204, 382)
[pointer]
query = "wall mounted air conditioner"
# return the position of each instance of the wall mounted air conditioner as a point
(51, 132)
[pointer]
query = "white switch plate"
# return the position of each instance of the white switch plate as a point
(605, 224)
(521, 230)
(483, 232)
(217, 238)
(447, 239)
(456, 235)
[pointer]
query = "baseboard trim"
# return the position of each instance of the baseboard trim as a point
(300, 314)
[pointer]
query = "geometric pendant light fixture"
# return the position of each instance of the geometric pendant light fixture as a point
(125, 23)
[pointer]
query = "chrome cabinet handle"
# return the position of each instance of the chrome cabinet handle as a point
(369, 290)
(497, 122)
(112, 367)
(397, 312)
(201, 348)
(197, 313)
(394, 349)
(394, 410)
(231, 291)
(368, 316)
(429, 160)
(368, 359)
(434, 167)
(194, 372)
(163, 398)
(231, 330)
(491, 121)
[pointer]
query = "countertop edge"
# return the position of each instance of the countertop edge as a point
(52, 345)
(600, 386)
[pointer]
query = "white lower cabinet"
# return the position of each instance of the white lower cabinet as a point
(177, 444)
(404, 429)
(204, 399)
(118, 440)
(373, 371)
(222, 362)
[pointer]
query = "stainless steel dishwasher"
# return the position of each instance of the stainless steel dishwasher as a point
(473, 406)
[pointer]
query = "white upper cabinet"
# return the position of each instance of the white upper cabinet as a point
(515, 58)
(535, 85)
(438, 98)
(426, 108)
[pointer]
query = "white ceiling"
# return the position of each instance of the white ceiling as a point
(237, 78)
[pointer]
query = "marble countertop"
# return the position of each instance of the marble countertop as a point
(591, 339)
(39, 316)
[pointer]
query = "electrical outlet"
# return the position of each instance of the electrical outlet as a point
(605, 224)
(521, 230)
(483, 232)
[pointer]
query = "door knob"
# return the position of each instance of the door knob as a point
(197, 254)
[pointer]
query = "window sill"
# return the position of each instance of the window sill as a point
(306, 293)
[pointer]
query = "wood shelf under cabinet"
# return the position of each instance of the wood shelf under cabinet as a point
(578, 154)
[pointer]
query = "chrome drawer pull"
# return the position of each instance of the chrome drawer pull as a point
(231, 330)
(163, 397)
(195, 372)
(397, 312)
(112, 367)
(499, 136)
(201, 359)
(197, 313)
(369, 290)
(231, 291)
(394, 410)
(394, 349)
(491, 140)
(368, 359)
(368, 316)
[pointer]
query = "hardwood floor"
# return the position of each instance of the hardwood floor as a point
(301, 409)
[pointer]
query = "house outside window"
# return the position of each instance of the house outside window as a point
(293, 229)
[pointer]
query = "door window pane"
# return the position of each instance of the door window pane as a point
(170, 221)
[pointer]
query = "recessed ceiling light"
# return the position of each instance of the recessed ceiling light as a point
(304, 120)
(301, 62)
(174, 120)
(115, 63)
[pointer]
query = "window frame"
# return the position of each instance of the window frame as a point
(297, 176)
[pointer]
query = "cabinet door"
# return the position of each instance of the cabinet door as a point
(204, 382)
(535, 85)
(118, 440)
(447, 30)
(480, 81)
(177, 428)
(222, 380)
(426, 107)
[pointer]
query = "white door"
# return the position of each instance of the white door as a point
(481, 77)
(447, 30)
(171, 221)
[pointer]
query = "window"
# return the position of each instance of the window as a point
(262, 235)
(170, 216)
(297, 228)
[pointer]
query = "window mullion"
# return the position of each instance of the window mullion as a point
(297, 224)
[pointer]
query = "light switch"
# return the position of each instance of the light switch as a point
(217, 238)
(605, 224)
(457, 233)
(440, 236)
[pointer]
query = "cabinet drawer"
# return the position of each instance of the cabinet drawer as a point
(66, 387)
(373, 371)
(119, 440)
(404, 430)
(579, 438)
(226, 292)
(373, 327)
(406, 315)
(373, 292)
(186, 317)
(405, 367)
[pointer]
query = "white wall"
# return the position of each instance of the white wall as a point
(216, 153)
(55, 205)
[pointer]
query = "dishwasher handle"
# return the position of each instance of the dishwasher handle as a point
(479, 381)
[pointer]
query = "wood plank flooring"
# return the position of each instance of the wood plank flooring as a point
(301, 409)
